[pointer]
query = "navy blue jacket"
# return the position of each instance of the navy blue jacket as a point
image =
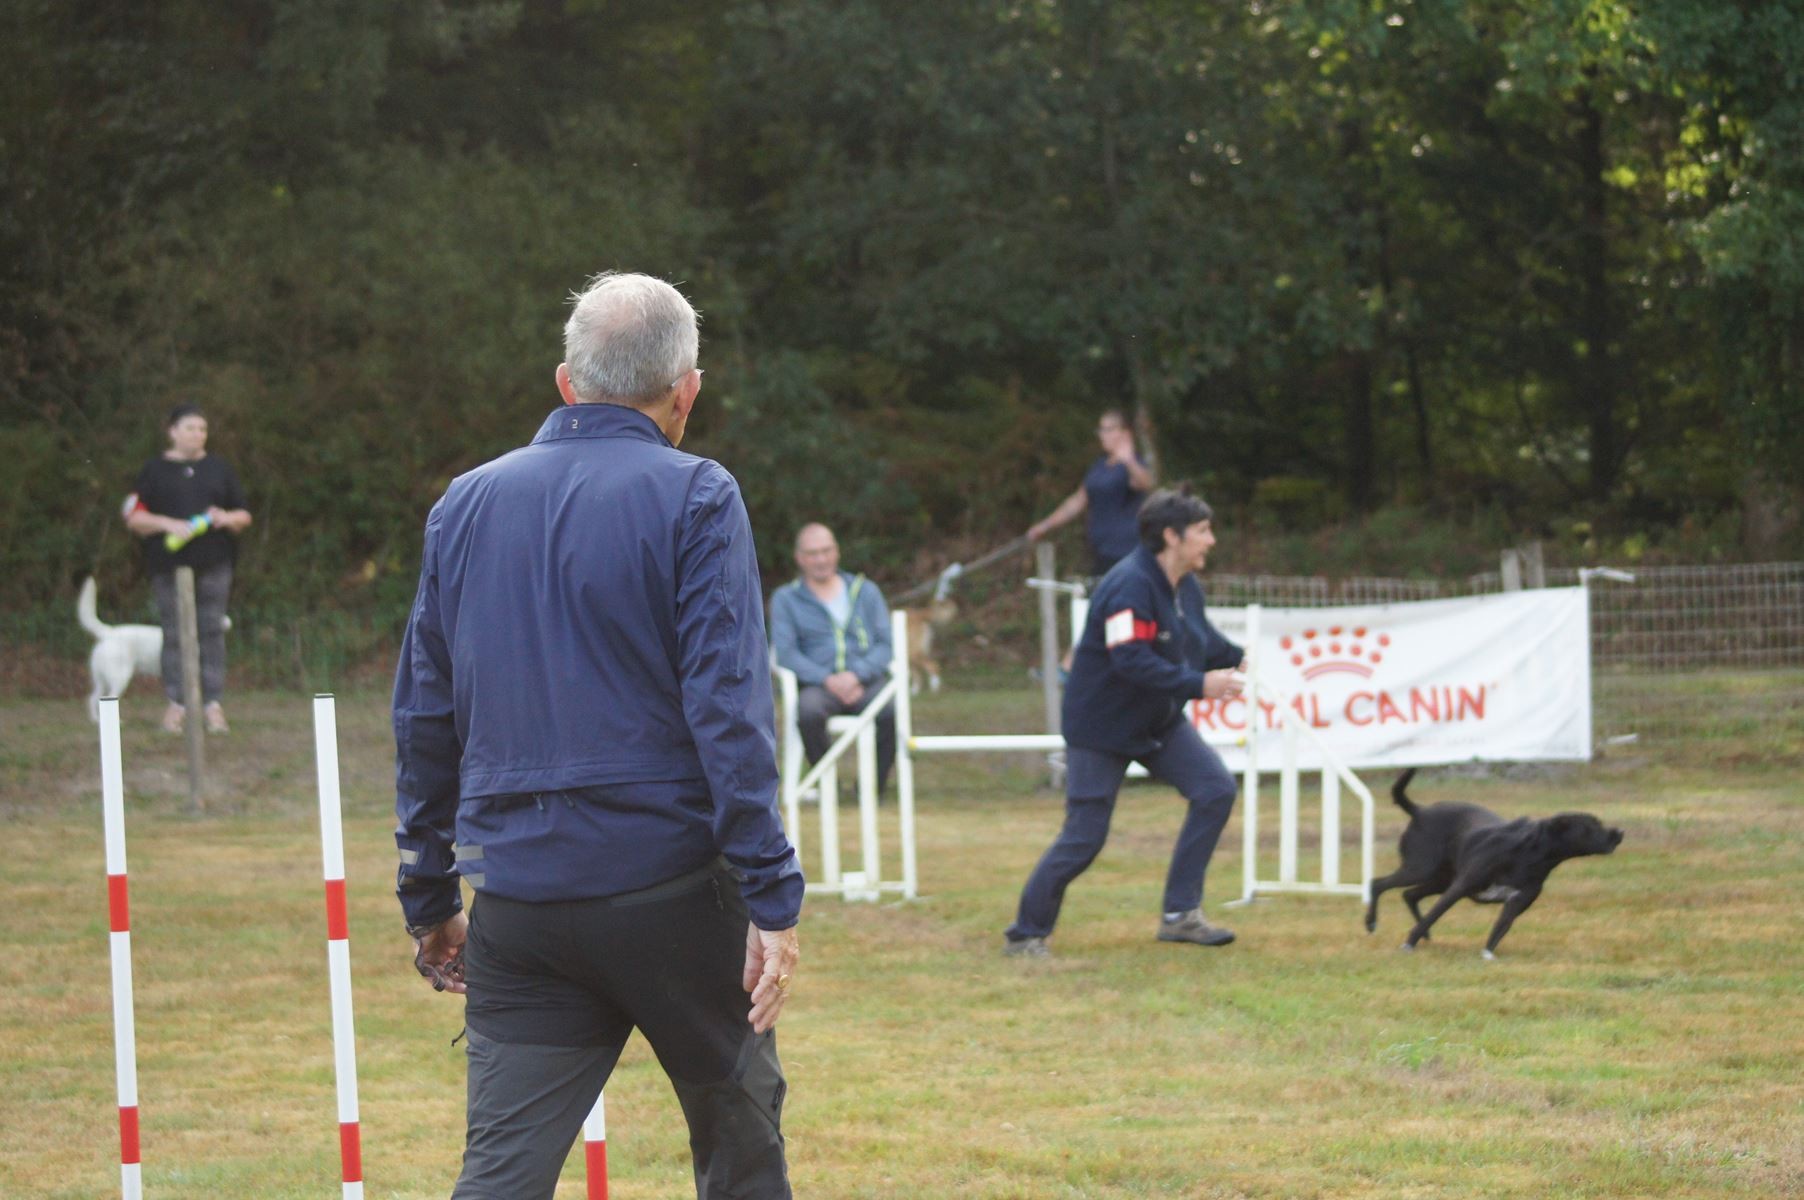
(583, 697)
(1111, 513)
(1142, 655)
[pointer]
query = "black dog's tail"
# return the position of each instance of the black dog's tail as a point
(1398, 792)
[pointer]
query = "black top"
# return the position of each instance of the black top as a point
(187, 489)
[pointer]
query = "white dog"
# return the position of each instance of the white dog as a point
(120, 651)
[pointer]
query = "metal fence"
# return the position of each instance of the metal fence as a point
(1680, 653)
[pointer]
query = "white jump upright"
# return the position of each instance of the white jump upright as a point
(125, 1042)
(858, 735)
(595, 1149)
(1293, 729)
(338, 944)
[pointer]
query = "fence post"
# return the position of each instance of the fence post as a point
(1509, 566)
(1046, 567)
(188, 625)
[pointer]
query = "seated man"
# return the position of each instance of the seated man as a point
(832, 630)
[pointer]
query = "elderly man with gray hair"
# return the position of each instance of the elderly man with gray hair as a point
(584, 734)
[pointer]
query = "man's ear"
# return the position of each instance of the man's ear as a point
(686, 393)
(565, 388)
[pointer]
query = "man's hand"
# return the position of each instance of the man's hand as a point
(439, 956)
(770, 963)
(845, 687)
(1223, 684)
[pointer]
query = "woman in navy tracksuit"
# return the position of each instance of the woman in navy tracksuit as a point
(1147, 649)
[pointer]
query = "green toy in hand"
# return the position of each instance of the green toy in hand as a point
(196, 526)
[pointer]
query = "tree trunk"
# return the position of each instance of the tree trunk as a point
(1596, 379)
(1356, 378)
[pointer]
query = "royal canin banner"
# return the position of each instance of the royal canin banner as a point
(1484, 678)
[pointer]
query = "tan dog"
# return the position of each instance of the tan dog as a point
(921, 624)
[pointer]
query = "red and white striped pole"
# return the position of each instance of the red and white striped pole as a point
(338, 944)
(595, 1148)
(125, 1039)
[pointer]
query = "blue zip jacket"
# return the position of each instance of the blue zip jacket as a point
(583, 705)
(1143, 652)
(807, 641)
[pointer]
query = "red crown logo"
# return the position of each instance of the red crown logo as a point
(1354, 651)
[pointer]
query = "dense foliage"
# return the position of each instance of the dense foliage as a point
(1536, 265)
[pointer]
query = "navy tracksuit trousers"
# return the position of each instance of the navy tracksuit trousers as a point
(1092, 780)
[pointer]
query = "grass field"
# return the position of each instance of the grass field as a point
(1640, 1034)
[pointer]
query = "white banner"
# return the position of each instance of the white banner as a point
(1482, 678)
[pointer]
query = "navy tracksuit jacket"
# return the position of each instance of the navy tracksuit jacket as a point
(1141, 657)
(582, 705)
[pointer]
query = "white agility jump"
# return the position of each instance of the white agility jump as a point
(820, 783)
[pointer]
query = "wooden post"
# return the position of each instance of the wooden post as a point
(193, 726)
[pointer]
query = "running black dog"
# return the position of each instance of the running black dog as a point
(1462, 851)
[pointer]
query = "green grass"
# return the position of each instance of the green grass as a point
(1636, 1037)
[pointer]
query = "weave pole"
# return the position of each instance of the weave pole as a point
(338, 943)
(595, 1148)
(125, 1039)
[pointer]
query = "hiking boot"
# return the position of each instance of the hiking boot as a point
(1190, 927)
(172, 718)
(1031, 947)
(216, 722)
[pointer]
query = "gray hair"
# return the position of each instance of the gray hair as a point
(629, 337)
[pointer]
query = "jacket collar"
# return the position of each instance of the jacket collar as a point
(1148, 563)
(599, 421)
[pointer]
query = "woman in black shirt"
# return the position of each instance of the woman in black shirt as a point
(195, 500)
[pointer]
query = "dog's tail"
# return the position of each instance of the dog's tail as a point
(85, 611)
(1398, 792)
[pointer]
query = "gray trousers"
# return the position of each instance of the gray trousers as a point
(555, 989)
(212, 589)
(814, 704)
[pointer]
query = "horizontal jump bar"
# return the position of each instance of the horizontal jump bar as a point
(934, 743)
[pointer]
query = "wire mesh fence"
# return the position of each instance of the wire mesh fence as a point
(1680, 654)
